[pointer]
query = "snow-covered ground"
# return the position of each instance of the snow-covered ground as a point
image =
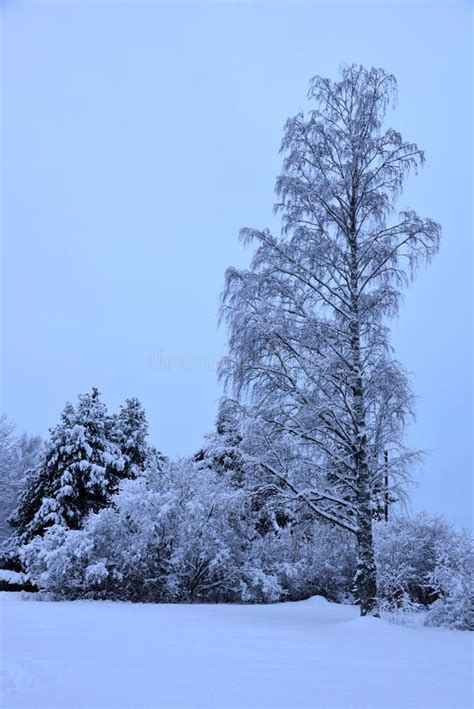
(307, 654)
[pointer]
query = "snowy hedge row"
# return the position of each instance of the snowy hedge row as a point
(182, 534)
(104, 515)
(188, 537)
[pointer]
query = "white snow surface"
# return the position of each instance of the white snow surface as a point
(307, 654)
(11, 576)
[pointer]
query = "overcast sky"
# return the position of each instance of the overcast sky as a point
(137, 138)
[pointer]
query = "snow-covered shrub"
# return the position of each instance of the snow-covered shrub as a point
(424, 563)
(11, 580)
(405, 557)
(57, 561)
(210, 528)
(115, 555)
(330, 563)
(197, 531)
(181, 535)
(309, 559)
(453, 580)
(9, 554)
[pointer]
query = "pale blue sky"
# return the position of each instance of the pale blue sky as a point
(137, 138)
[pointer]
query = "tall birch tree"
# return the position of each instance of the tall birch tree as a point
(309, 344)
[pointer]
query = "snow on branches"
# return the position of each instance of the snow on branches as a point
(309, 345)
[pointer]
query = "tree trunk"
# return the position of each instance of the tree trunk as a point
(366, 579)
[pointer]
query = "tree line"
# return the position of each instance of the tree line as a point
(104, 515)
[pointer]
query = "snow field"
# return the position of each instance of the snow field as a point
(307, 654)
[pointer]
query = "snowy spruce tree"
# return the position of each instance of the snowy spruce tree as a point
(78, 474)
(129, 430)
(228, 454)
(310, 351)
(222, 451)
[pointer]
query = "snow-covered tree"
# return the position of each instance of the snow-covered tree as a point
(173, 538)
(18, 457)
(9, 482)
(129, 430)
(28, 451)
(222, 451)
(185, 534)
(228, 452)
(309, 343)
(79, 473)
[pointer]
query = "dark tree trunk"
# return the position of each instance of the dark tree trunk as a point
(366, 578)
(385, 483)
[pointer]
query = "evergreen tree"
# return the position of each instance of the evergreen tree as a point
(78, 474)
(226, 453)
(221, 451)
(129, 430)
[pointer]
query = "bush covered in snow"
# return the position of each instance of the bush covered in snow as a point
(185, 534)
(453, 581)
(423, 562)
(106, 516)
(168, 537)
(405, 557)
